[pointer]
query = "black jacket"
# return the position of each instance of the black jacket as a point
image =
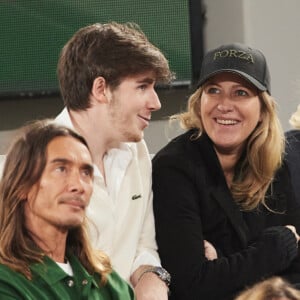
(293, 159)
(192, 202)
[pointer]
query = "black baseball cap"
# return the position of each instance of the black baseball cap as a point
(240, 59)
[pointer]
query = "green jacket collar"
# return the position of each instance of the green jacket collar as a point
(52, 273)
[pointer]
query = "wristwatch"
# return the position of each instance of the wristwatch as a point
(163, 274)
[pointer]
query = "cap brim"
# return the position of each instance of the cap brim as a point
(251, 79)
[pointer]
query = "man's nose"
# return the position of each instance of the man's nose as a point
(75, 182)
(154, 102)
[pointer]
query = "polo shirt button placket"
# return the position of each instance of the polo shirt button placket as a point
(70, 283)
(85, 282)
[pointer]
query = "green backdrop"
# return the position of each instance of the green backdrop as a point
(34, 31)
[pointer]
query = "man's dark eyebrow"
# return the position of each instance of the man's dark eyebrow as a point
(67, 161)
(146, 80)
(60, 160)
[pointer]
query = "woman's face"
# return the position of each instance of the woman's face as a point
(230, 110)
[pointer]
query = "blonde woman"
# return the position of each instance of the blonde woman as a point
(222, 185)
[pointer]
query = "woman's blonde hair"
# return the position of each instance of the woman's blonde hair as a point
(264, 150)
(274, 288)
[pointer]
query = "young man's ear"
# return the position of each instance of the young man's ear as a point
(98, 89)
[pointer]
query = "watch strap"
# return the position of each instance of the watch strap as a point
(160, 272)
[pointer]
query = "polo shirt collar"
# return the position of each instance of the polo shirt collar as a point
(52, 273)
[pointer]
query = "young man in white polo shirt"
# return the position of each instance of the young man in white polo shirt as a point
(107, 74)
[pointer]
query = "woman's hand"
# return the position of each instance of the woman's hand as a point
(210, 251)
(293, 229)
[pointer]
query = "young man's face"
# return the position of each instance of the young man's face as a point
(58, 201)
(131, 105)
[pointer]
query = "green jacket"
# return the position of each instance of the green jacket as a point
(50, 282)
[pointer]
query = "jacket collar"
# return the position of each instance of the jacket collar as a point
(52, 273)
(217, 183)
